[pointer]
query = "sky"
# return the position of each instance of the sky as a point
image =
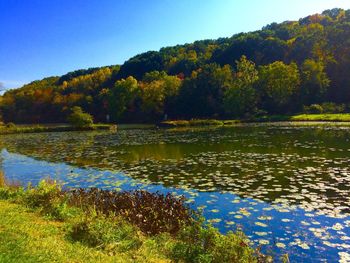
(41, 38)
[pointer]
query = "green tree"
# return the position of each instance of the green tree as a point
(278, 83)
(79, 118)
(314, 81)
(121, 96)
(241, 97)
(202, 94)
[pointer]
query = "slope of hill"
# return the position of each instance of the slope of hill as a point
(283, 68)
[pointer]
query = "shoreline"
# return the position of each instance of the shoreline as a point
(321, 119)
(39, 128)
(80, 220)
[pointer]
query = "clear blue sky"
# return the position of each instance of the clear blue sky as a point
(40, 38)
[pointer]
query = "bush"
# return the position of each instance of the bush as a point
(10, 125)
(326, 107)
(153, 213)
(198, 243)
(330, 107)
(313, 109)
(7, 193)
(80, 119)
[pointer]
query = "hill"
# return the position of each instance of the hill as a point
(291, 67)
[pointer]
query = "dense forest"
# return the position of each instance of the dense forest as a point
(286, 68)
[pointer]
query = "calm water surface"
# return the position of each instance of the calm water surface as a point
(287, 186)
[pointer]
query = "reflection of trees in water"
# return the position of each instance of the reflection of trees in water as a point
(71, 147)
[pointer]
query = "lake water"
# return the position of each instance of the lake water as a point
(286, 186)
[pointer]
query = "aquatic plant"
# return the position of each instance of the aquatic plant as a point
(153, 213)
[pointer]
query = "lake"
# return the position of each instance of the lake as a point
(287, 186)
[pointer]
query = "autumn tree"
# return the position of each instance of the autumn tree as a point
(158, 92)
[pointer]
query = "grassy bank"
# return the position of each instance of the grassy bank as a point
(28, 237)
(330, 117)
(46, 224)
(11, 129)
(197, 122)
(343, 117)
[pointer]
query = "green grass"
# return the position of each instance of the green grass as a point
(336, 117)
(12, 129)
(27, 237)
(329, 117)
(341, 117)
(38, 225)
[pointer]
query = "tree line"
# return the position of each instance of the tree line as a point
(284, 68)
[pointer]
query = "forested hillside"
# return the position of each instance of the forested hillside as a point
(284, 68)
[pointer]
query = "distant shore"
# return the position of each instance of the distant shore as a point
(343, 117)
(38, 128)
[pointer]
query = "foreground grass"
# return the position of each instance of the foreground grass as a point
(12, 129)
(26, 237)
(46, 224)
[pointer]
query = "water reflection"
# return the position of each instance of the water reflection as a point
(281, 228)
(287, 186)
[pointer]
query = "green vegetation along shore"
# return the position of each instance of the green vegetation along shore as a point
(12, 128)
(46, 224)
(321, 118)
(345, 117)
